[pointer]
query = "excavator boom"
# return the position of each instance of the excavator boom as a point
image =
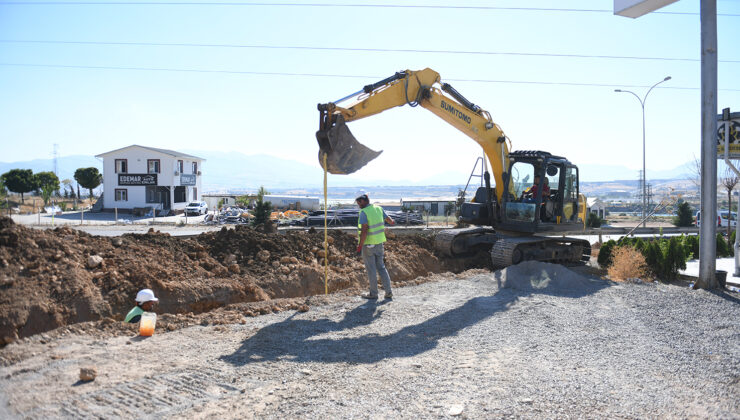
(345, 155)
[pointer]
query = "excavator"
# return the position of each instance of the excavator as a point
(534, 196)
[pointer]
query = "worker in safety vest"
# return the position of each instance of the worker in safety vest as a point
(145, 301)
(371, 230)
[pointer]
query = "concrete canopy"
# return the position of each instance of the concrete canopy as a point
(637, 8)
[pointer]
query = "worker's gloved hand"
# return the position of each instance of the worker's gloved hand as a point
(359, 249)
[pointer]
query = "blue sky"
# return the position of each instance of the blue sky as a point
(89, 111)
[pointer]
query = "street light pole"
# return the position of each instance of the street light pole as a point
(644, 174)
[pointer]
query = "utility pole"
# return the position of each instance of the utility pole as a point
(708, 231)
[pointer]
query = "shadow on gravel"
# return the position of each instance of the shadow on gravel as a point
(291, 339)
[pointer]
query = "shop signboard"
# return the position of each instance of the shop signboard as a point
(187, 179)
(137, 179)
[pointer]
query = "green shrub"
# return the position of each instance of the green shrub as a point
(593, 220)
(262, 209)
(605, 253)
(723, 250)
(665, 257)
(639, 244)
(691, 246)
(683, 215)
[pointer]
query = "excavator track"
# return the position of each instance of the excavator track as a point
(513, 250)
(457, 242)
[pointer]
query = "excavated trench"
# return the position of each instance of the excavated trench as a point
(54, 278)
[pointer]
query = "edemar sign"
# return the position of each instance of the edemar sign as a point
(137, 179)
(187, 179)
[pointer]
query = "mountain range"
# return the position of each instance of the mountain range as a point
(234, 171)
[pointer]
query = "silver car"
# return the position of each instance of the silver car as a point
(196, 207)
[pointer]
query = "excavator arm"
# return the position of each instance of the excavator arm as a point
(344, 154)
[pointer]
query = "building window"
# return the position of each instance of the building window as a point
(195, 194)
(151, 194)
(195, 167)
(152, 166)
(180, 166)
(121, 194)
(180, 194)
(121, 166)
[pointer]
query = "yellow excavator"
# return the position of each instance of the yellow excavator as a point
(535, 193)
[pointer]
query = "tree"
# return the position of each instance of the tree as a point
(262, 209)
(67, 187)
(47, 182)
(89, 178)
(729, 182)
(683, 215)
(593, 220)
(19, 181)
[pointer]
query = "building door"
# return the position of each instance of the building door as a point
(164, 197)
(435, 209)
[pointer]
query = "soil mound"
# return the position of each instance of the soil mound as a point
(52, 278)
(533, 276)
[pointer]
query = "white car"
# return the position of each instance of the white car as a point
(722, 218)
(196, 207)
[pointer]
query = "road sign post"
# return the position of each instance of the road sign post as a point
(728, 146)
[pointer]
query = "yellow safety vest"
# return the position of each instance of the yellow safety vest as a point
(376, 227)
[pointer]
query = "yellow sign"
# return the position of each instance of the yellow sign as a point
(734, 149)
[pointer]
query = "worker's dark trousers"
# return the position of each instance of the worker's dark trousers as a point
(373, 256)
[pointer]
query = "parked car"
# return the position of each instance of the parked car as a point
(196, 207)
(723, 218)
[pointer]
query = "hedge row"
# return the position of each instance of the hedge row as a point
(664, 256)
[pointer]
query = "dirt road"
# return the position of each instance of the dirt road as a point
(534, 340)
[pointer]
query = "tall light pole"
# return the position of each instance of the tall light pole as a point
(644, 175)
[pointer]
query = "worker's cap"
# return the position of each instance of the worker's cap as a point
(361, 195)
(145, 295)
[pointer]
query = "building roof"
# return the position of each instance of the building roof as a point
(592, 201)
(172, 153)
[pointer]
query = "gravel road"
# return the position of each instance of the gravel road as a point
(533, 341)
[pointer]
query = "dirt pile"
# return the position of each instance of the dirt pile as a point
(52, 278)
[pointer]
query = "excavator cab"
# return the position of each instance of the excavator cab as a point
(541, 194)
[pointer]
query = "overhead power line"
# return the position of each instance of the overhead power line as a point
(394, 50)
(366, 77)
(393, 6)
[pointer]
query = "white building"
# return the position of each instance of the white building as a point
(436, 206)
(145, 177)
(596, 206)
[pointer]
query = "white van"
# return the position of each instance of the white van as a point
(722, 218)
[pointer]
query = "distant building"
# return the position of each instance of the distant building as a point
(213, 200)
(144, 177)
(435, 206)
(596, 206)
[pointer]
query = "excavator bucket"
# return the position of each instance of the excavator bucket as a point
(344, 154)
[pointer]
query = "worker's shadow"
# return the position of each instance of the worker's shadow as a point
(291, 339)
